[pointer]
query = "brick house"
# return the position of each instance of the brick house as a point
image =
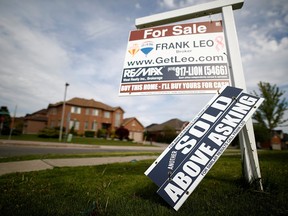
(135, 128)
(35, 122)
(85, 115)
(155, 132)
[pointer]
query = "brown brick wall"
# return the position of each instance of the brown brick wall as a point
(82, 117)
(33, 127)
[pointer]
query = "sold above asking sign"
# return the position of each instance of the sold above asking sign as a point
(185, 162)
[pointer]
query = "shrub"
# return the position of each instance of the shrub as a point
(89, 133)
(49, 133)
(102, 133)
(122, 133)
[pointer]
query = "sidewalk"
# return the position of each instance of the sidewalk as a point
(37, 165)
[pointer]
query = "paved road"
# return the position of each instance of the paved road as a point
(12, 148)
(16, 150)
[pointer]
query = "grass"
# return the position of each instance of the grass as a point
(85, 155)
(123, 189)
(76, 140)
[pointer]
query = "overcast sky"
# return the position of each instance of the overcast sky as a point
(44, 44)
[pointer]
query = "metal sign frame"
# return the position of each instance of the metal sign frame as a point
(251, 168)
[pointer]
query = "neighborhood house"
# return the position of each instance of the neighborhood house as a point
(83, 115)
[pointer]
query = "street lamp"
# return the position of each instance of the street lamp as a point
(63, 113)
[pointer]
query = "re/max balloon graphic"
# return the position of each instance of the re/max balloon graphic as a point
(147, 47)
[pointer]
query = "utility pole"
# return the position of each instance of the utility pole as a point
(63, 113)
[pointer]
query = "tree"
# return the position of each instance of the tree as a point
(169, 134)
(122, 133)
(271, 112)
(5, 120)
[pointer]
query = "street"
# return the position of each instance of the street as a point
(16, 150)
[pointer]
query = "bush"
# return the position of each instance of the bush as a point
(89, 133)
(49, 133)
(122, 133)
(102, 133)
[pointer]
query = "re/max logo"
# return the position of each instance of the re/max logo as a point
(136, 72)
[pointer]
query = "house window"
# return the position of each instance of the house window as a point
(95, 112)
(87, 111)
(53, 111)
(117, 119)
(75, 110)
(77, 125)
(94, 125)
(106, 114)
(52, 124)
(74, 123)
(86, 125)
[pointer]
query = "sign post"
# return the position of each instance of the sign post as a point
(181, 167)
(247, 140)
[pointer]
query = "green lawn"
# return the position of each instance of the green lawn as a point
(75, 139)
(123, 189)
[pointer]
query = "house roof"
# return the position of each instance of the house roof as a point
(173, 123)
(128, 120)
(89, 103)
(37, 118)
(40, 115)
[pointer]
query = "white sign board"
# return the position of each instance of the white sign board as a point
(185, 162)
(177, 59)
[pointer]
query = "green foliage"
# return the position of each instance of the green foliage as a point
(122, 133)
(123, 189)
(102, 133)
(167, 136)
(72, 131)
(49, 132)
(271, 113)
(89, 133)
(76, 139)
(5, 121)
(261, 133)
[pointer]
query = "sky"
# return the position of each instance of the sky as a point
(45, 44)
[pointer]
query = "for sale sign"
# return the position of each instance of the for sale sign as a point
(181, 167)
(177, 59)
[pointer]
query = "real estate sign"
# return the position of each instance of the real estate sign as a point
(185, 162)
(176, 59)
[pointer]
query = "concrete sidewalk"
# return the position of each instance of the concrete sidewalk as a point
(36, 165)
